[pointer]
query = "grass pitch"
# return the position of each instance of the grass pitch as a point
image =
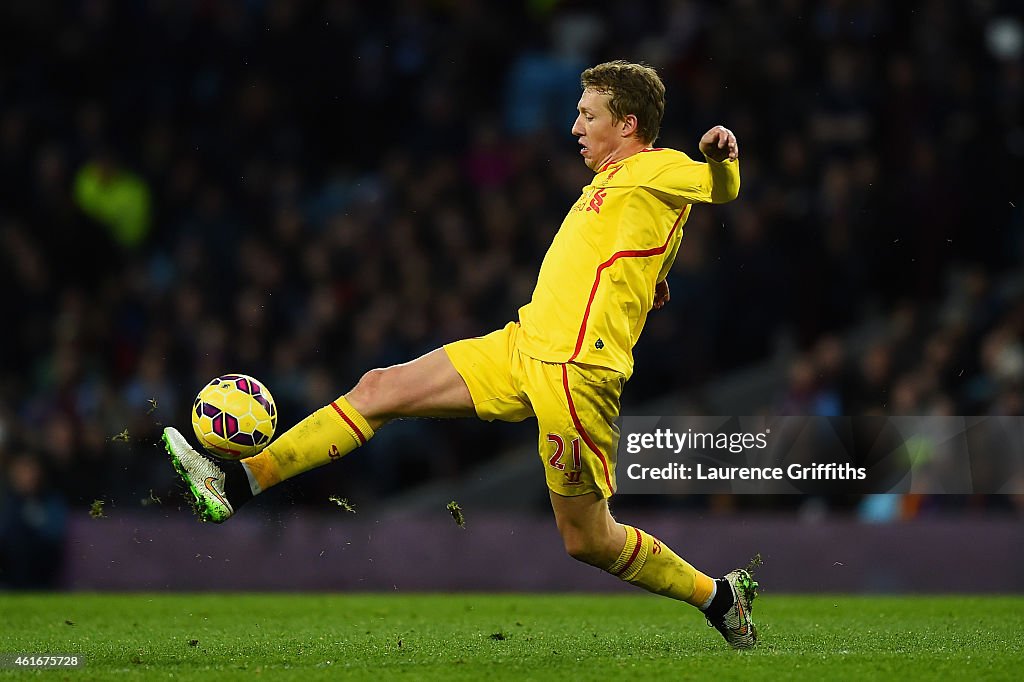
(215, 636)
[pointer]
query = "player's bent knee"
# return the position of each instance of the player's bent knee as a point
(586, 548)
(371, 395)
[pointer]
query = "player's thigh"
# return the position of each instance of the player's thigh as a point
(489, 366)
(576, 408)
(428, 386)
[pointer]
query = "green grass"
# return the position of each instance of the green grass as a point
(219, 636)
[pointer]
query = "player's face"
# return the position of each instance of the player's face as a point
(598, 131)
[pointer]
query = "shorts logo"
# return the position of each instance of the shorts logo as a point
(599, 344)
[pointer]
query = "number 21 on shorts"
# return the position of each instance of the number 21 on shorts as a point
(573, 474)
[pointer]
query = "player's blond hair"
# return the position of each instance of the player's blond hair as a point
(634, 89)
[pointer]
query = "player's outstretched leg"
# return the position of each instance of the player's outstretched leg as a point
(204, 478)
(429, 386)
(221, 488)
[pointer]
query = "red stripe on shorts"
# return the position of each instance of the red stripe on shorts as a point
(583, 432)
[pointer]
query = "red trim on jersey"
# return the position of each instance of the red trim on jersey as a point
(579, 428)
(632, 557)
(359, 434)
(652, 149)
(600, 268)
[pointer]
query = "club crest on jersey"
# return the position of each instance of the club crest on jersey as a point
(597, 200)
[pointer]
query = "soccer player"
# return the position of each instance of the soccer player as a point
(564, 362)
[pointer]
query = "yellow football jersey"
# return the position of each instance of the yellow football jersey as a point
(596, 284)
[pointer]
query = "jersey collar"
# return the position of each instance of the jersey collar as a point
(612, 163)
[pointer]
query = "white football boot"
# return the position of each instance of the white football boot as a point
(204, 478)
(737, 625)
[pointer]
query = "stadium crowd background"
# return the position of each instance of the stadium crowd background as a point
(303, 190)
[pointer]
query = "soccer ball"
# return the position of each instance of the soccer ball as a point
(234, 416)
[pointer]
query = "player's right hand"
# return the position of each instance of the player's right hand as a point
(719, 144)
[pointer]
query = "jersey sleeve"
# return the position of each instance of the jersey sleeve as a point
(696, 182)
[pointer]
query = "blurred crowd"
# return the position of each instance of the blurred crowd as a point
(304, 190)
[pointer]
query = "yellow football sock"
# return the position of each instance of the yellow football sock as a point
(327, 435)
(648, 563)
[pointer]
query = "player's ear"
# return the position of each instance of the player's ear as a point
(629, 125)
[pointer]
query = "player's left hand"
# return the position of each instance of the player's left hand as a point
(719, 144)
(661, 294)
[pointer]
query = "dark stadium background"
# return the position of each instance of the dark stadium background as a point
(304, 190)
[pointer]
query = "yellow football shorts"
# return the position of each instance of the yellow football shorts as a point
(575, 405)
